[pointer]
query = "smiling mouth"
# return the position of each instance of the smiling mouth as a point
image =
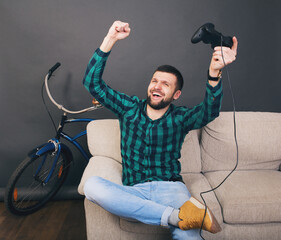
(156, 95)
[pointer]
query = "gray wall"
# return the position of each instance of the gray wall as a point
(35, 34)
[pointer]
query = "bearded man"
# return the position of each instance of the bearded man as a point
(152, 133)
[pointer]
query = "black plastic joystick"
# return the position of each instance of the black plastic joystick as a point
(208, 34)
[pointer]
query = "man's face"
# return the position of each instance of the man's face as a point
(162, 90)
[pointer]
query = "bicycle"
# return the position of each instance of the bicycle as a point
(39, 176)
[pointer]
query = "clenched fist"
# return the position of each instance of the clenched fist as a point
(118, 31)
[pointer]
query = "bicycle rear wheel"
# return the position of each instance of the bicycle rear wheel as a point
(27, 191)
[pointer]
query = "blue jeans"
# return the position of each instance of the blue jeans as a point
(150, 202)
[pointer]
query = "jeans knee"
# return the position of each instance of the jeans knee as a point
(92, 187)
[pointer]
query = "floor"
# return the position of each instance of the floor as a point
(57, 220)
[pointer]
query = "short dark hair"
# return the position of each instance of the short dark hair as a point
(174, 71)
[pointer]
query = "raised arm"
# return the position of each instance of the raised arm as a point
(209, 109)
(93, 82)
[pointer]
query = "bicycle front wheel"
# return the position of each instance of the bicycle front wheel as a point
(28, 189)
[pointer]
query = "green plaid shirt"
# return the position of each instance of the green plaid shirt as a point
(150, 149)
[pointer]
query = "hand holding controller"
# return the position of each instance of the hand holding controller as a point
(208, 34)
(222, 56)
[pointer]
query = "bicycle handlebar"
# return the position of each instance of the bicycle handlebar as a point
(53, 68)
(59, 106)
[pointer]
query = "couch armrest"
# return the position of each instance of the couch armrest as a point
(104, 167)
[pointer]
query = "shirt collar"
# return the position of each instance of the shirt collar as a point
(143, 108)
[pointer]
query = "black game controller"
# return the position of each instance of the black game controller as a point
(208, 34)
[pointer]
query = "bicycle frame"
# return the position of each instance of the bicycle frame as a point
(39, 177)
(54, 144)
(73, 139)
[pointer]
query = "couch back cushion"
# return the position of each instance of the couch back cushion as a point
(190, 153)
(104, 140)
(258, 136)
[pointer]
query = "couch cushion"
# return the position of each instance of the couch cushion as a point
(104, 138)
(190, 153)
(258, 136)
(249, 196)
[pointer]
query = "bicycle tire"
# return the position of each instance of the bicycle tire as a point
(27, 193)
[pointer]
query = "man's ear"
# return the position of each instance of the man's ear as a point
(177, 94)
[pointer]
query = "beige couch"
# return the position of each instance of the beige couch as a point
(247, 205)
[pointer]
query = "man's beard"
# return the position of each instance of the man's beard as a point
(160, 105)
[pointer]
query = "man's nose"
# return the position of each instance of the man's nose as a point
(157, 86)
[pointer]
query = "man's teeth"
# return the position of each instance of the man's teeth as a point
(156, 94)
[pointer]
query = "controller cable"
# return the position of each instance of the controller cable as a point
(236, 144)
